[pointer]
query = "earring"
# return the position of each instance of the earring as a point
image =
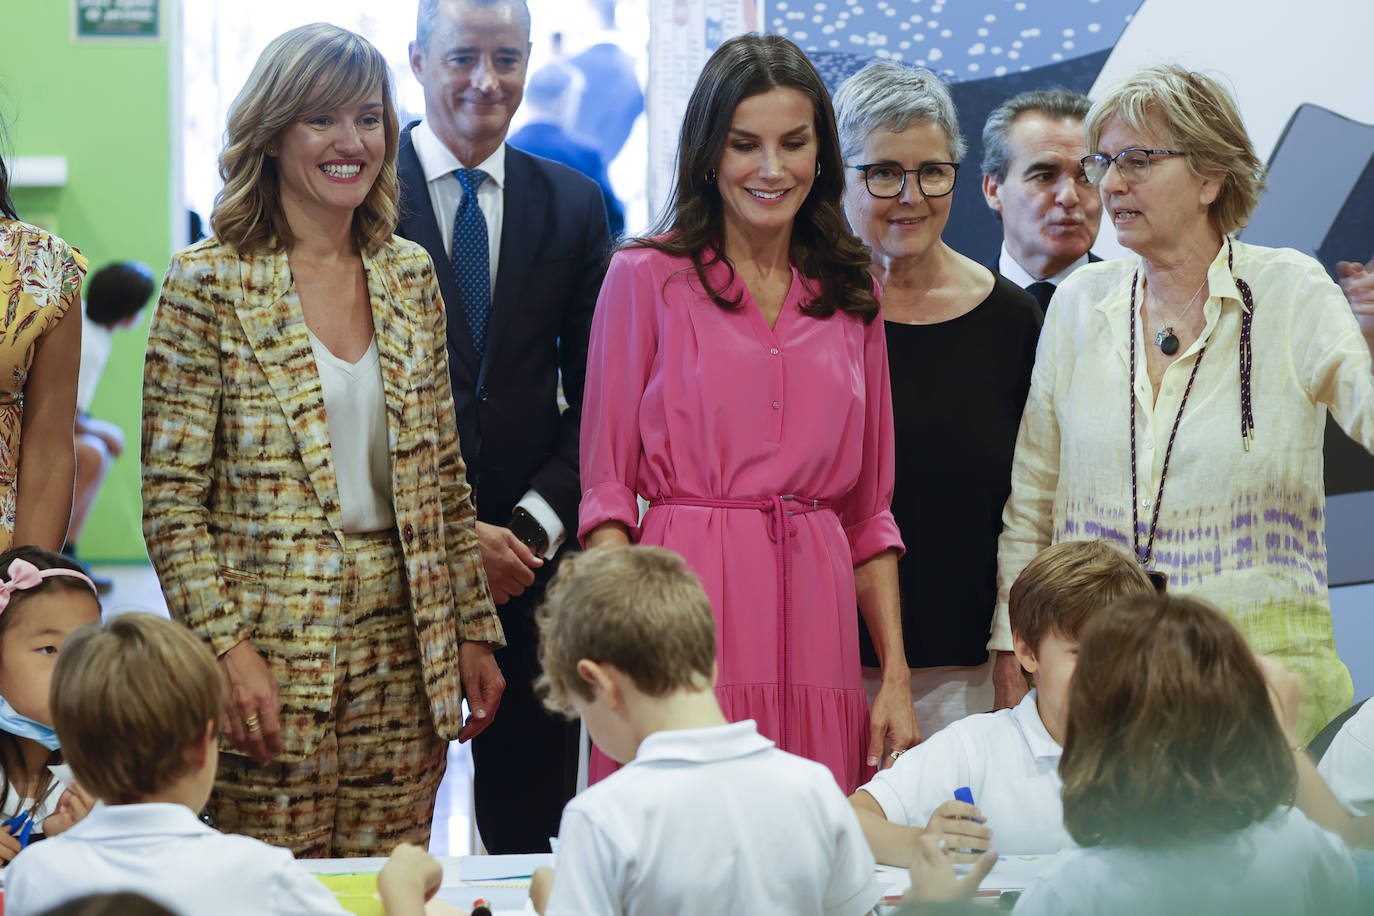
(818, 170)
(710, 176)
(271, 151)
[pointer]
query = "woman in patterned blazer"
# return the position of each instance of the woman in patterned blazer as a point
(304, 497)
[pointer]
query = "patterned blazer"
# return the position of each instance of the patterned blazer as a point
(240, 503)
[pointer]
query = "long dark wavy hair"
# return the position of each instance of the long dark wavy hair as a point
(822, 247)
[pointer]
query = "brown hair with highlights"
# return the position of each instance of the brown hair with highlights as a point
(637, 608)
(307, 71)
(1066, 584)
(129, 698)
(1171, 732)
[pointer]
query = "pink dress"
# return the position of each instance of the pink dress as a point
(767, 459)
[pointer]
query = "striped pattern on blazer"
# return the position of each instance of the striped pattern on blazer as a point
(241, 509)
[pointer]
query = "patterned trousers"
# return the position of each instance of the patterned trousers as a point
(371, 782)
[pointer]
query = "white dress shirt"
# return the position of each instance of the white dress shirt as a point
(1282, 866)
(713, 821)
(1348, 764)
(163, 851)
(1011, 268)
(1006, 758)
(445, 194)
(355, 410)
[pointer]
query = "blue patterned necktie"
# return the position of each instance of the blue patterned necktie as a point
(471, 260)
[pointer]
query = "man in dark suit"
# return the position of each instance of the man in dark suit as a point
(1032, 144)
(519, 245)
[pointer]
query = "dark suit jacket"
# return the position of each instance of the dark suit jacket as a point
(554, 245)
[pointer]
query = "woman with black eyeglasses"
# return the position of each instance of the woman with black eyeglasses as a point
(1180, 396)
(961, 341)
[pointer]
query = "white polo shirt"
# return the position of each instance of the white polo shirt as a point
(1348, 764)
(713, 821)
(1281, 866)
(163, 851)
(1006, 758)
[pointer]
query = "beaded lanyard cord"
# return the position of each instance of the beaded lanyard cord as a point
(1247, 416)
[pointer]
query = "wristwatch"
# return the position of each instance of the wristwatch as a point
(528, 530)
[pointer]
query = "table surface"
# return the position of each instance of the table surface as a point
(467, 878)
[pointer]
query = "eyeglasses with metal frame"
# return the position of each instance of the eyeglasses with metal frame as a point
(1133, 164)
(888, 179)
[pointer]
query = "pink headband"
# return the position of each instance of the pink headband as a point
(24, 576)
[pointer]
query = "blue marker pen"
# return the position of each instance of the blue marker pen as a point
(965, 794)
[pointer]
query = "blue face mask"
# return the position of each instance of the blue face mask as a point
(24, 727)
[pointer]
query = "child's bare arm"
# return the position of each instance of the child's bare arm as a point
(892, 844)
(410, 877)
(1314, 796)
(541, 886)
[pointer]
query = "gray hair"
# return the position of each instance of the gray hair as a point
(887, 96)
(428, 12)
(1056, 104)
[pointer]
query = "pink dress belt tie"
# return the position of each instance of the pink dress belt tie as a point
(782, 527)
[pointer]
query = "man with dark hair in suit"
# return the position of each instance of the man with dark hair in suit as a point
(1032, 144)
(519, 246)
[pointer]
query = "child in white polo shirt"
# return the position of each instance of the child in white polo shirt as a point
(1179, 781)
(706, 816)
(1009, 759)
(135, 704)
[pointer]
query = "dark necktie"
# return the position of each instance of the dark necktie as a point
(471, 259)
(1042, 290)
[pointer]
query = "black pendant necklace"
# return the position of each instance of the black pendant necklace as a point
(1167, 341)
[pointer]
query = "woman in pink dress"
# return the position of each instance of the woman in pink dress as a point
(737, 380)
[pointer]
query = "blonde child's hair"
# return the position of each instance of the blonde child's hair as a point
(1066, 584)
(637, 608)
(128, 699)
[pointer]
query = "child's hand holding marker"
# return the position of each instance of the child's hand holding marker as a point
(962, 827)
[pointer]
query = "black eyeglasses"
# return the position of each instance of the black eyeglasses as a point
(888, 179)
(1133, 164)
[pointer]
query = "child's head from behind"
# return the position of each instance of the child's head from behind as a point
(44, 598)
(117, 292)
(634, 609)
(133, 701)
(1050, 603)
(1172, 734)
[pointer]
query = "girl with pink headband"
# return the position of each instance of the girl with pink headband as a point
(43, 598)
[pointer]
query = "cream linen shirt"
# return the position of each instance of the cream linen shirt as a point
(1244, 529)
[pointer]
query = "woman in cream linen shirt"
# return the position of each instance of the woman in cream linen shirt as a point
(303, 495)
(1179, 397)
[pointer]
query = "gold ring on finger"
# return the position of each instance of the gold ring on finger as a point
(252, 723)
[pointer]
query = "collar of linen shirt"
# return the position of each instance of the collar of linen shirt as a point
(702, 745)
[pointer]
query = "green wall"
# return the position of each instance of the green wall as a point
(106, 107)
